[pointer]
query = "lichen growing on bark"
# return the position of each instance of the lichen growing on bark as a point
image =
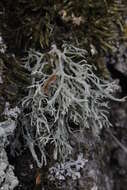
(69, 92)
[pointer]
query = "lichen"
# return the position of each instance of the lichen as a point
(70, 92)
(8, 180)
(70, 168)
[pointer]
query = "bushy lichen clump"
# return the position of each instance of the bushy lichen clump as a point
(65, 89)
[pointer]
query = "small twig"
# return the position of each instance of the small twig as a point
(48, 82)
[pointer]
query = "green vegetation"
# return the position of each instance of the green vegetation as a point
(85, 22)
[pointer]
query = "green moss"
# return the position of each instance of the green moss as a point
(101, 21)
(40, 23)
(36, 23)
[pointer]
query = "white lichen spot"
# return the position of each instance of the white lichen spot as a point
(11, 112)
(3, 46)
(71, 168)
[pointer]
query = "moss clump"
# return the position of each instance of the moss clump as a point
(38, 23)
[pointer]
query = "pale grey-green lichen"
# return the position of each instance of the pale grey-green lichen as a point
(65, 89)
(3, 46)
(70, 168)
(8, 180)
